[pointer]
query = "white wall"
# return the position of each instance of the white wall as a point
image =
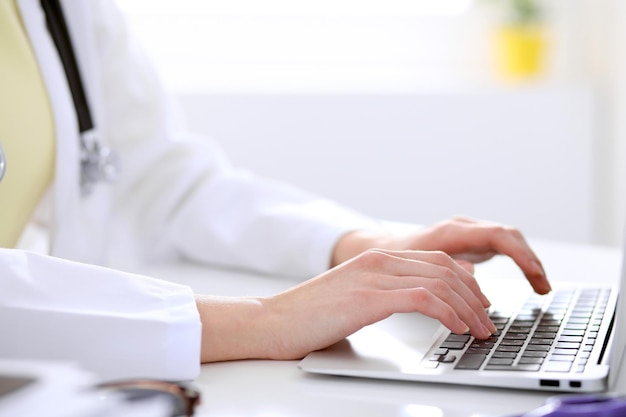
(598, 30)
(370, 109)
(515, 156)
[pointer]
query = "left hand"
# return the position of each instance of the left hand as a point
(464, 239)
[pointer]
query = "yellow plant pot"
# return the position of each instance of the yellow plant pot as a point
(520, 52)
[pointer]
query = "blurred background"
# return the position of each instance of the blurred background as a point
(413, 110)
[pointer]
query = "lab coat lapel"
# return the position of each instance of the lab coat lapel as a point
(77, 230)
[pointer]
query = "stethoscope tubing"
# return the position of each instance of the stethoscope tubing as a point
(3, 163)
(602, 405)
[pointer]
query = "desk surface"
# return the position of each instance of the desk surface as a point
(258, 388)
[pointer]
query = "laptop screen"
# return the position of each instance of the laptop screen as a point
(619, 327)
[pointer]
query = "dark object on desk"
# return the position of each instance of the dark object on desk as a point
(183, 398)
(10, 384)
(608, 405)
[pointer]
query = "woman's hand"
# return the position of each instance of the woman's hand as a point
(462, 238)
(324, 310)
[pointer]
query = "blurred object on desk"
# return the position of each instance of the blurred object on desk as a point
(61, 389)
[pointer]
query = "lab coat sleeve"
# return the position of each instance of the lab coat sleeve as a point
(179, 195)
(115, 324)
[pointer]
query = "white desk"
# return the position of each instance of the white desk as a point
(279, 389)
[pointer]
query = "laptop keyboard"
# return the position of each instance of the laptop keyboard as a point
(557, 337)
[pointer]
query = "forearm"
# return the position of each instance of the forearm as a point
(233, 328)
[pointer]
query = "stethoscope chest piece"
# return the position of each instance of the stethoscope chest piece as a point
(3, 162)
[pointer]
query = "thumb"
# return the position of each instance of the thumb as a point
(467, 265)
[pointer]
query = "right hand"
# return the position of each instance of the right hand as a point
(364, 290)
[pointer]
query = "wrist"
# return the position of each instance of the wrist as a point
(353, 243)
(232, 329)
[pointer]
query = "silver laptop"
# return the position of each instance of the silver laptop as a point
(569, 340)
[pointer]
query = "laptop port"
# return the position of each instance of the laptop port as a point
(549, 383)
(575, 384)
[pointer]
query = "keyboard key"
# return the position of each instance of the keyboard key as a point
(573, 332)
(508, 348)
(537, 348)
(519, 329)
(509, 355)
(534, 354)
(526, 317)
(568, 352)
(547, 329)
(541, 335)
(550, 322)
(482, 344)
(520, 367)
(535, 341)
(477, 351)
(499, 319)
(507, 342)
(558, 366)
(562, 358)
(500, 361)
(523, 323)
(578, 326)
(576, 339)
(453, 345)
(526, 360)
(458, 338)
(567, 345)
(470, 361)
(447, 359)
(578, 317)
(515, 336)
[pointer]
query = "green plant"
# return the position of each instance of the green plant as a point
(520, 12)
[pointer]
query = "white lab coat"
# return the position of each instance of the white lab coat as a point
(177, 197)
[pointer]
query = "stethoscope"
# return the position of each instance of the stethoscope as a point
(98, 163)
(592, 405)
(3, 163)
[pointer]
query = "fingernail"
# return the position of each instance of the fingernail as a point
(538, 270)
(486, 332)
(547, 287)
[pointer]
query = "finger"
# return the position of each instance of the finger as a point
(479, 323)
(474, 257)
(466, 264)
(434, 258)
(446, 278)
(484, 238)
(510, 242)
(462, 300)
(467, 220)
(422, 300)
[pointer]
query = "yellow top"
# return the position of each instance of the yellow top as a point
(26, 127)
